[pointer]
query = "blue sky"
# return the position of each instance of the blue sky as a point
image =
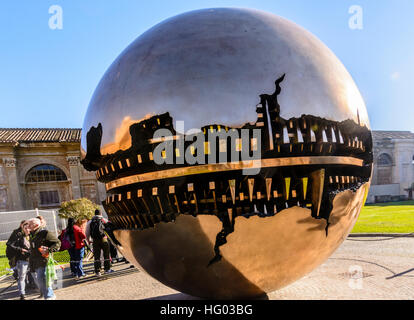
(48, 76)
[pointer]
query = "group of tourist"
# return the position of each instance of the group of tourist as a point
(29, 246)
(75, 239)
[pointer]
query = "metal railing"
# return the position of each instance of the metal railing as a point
(10, 221)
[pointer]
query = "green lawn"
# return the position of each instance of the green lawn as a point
(393, 217)
(4, 263)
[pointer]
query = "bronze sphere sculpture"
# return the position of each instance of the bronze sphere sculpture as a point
(235, 148)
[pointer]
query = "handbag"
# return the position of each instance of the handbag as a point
(50, 271)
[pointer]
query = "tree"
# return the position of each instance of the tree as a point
(79, 209)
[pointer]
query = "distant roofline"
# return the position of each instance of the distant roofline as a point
(40, 129)
(405, 131)
(39, 135)
(16, 135)
(394, 135)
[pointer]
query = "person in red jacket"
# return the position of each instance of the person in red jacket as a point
(77, 251)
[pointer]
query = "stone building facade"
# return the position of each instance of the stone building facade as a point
(393, 173)
(40, 168)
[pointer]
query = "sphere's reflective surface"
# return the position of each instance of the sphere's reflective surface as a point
(274, 180)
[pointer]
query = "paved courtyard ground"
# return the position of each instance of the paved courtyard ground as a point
(362, 268)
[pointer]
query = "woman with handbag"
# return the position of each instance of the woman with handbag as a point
(72, 240)
(67, 239)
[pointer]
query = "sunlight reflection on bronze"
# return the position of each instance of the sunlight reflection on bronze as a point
(213, 228)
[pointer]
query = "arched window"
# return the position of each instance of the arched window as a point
(45, 173)
(384, 160)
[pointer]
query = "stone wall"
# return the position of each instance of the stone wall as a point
(392, 179)
(16, 193)
(386, 192)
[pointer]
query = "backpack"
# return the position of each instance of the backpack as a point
(66, 244)
(97, 228)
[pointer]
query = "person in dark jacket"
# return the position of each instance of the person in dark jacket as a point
(42, 243)
(100, 242)
(10, 250)
(113, 242)
(20, 246)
